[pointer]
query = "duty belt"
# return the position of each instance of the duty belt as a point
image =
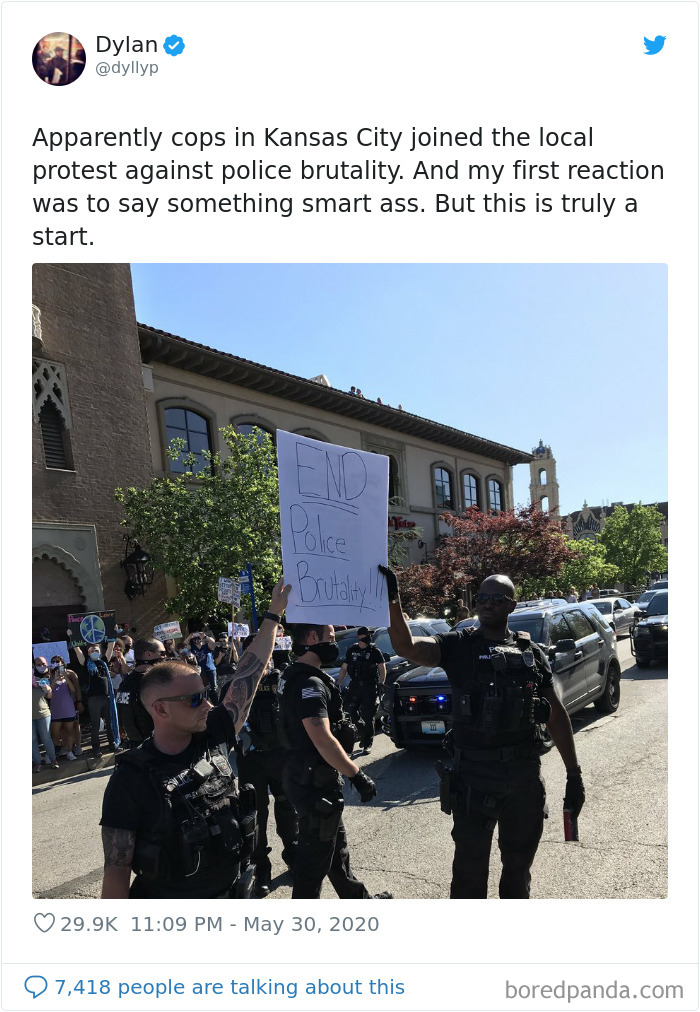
(499, 755)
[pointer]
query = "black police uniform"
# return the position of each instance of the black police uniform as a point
(194, 830)
(495, 743)
(315, 788)
(133, 715)
(261, 763)
(362, 695)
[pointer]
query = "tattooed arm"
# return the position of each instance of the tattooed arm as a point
(254, 661)
(118, 845)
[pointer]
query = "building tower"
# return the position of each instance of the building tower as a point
(544, 487)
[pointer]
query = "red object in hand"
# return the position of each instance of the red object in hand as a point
(570, 826)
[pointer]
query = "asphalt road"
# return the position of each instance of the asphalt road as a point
(401, 841)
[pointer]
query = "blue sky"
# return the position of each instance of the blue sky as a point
(573, 354)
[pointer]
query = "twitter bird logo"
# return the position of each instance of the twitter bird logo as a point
(655, 46)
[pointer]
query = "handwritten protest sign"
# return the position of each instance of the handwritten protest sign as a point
(333, 510)
(49, 650)
(167, 631)
(229, 591)
(239, 630)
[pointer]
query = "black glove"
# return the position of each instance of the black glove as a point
(392, 584)
(575, 793)
(364, 786)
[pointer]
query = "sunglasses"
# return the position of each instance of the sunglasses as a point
(494, 598)
(194, 699)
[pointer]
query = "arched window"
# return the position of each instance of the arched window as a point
(442, 482)
(248, 428)
(544, 503)
(181, 423)
(495, 495)
(54, 437)
(543, 476)
(470, 490)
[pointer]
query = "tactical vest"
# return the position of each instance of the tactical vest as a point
(502, 697)
(341, 726)
(204, 823)
(263, 722)
(361, 669)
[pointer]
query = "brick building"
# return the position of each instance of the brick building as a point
(89, 435)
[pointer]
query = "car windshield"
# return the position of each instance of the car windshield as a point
(345, 641)
(532, 624)
(644, 599)
(659, 604)
(383, 643)
(605, 607)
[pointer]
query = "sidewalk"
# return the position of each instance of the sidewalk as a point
(87, 762)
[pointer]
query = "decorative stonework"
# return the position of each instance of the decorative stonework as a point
(49, 384)
(37, 339)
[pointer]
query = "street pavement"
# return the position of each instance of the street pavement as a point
(401, 841)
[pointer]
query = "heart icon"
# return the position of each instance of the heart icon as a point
(44, 922)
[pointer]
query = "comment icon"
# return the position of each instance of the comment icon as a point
(36, 985)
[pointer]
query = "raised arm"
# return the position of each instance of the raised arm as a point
(254, 661)
(423, 650)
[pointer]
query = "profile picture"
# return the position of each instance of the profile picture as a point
(58, 58)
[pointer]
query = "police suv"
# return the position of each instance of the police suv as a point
(582, 652)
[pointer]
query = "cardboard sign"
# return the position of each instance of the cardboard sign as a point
(96, 627)
(239, 630)
(49, 650)
(167, 631)
(333, 509)
(229, 591)
(283, 643)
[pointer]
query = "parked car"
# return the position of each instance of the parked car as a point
(581, 648)
(649, 639)
(540, 602)
(659, 585)
(466, 623)
(644, 599)
(619, 612)
(395, 665)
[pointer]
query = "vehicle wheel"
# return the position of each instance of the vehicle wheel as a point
(643, 662)
(610, 700)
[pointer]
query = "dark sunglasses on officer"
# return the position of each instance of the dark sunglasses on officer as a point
(193, 699)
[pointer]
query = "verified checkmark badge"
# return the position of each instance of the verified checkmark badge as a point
(174, 45)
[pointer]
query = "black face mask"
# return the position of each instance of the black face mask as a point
(327, 653)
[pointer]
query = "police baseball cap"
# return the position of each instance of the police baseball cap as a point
(363, 631)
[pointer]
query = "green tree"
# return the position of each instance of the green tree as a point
(632, 542)
(210, 521)
(589, 565)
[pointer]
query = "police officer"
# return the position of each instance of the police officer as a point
(502, 692)
(133, 715)
(261, 763)
(319, 738)
(172, 812)
(364, 663)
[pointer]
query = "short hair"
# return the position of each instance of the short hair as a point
(142, 647)
(300, 633)
(162, 674)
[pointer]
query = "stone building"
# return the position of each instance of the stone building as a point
(110, 394)
(589, 521)
(544, 487)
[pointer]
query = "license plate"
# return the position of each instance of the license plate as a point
(432, 726)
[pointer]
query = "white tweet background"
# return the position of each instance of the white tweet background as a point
(342, 66)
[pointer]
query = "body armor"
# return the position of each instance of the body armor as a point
(341, 726)
(502, 699)
(133, 715)
(203, 822)
(264, 717)
(361, 669)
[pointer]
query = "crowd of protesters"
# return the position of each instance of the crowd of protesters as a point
(75, 700)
